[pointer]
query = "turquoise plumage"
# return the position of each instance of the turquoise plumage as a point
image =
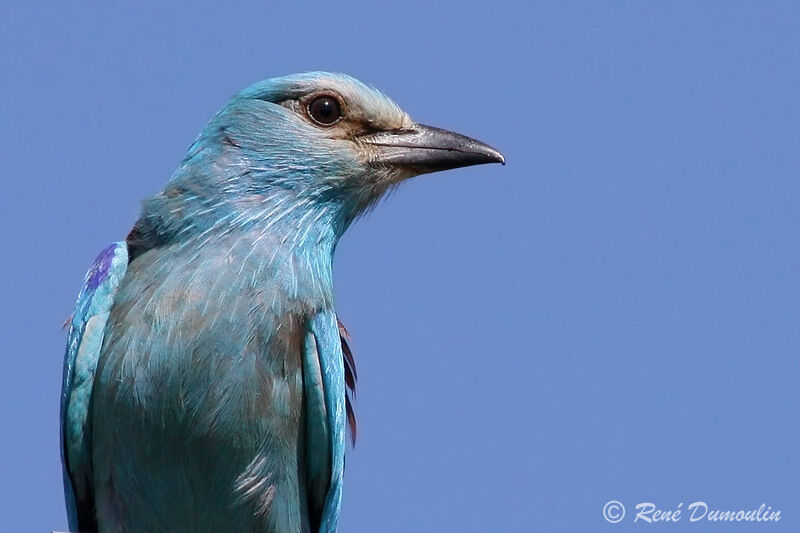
(206, 374)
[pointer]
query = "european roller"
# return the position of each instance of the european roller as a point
(207, 378)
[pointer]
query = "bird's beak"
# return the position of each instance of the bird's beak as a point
(425, 149)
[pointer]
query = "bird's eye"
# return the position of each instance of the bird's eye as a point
(325, 110)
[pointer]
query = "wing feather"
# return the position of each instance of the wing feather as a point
(325, 345)
(350, 379)
(80, 362)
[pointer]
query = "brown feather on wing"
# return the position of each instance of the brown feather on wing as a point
(350, 378)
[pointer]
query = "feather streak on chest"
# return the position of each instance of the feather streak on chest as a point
(199, 397)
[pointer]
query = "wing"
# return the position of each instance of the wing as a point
(326, 419)
(83, 350)
(350, 379)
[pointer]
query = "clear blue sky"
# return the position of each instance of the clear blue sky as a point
(615, 314)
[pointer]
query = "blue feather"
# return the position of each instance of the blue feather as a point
(80, 361)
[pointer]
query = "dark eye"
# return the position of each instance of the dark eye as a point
(324, 110)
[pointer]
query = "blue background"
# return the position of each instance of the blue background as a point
(613, 315)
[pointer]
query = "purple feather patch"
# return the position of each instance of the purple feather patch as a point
(99, 271)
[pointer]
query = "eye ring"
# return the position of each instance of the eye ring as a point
(325, 110)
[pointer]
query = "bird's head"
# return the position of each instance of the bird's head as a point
(337, 116)
(319, 139)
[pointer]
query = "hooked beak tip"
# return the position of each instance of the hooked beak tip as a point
(499, 158)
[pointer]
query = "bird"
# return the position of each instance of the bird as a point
(207, 377)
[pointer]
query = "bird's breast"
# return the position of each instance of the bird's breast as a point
(199, 390)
